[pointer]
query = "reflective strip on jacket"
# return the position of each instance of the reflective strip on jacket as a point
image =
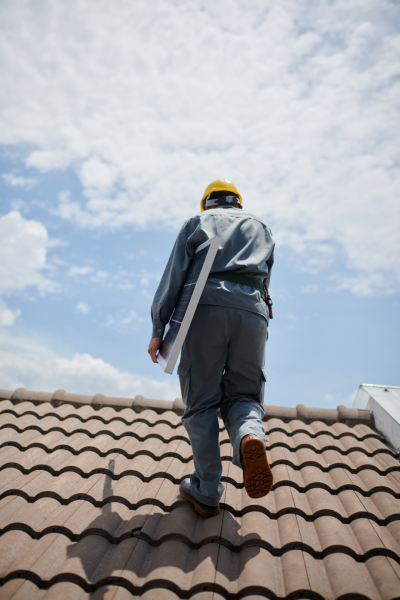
(246, 247)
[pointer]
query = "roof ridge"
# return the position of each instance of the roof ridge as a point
(341, 414)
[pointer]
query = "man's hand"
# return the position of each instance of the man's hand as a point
(154, 345)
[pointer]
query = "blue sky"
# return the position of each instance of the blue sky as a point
(112, 123)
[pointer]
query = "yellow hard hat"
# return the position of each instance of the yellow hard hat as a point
(220, 185)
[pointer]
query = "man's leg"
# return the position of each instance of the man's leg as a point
(243, 381)
(200, 372)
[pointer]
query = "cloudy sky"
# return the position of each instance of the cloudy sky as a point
(113, 119)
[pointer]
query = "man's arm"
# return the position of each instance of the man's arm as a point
(171, 284)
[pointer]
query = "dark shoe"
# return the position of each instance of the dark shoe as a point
(258, 477)
(185, 490)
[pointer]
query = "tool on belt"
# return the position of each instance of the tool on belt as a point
(246, 280)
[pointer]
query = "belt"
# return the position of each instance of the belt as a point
(240, 278)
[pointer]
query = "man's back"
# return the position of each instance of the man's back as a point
(246, 240)
(246, 247)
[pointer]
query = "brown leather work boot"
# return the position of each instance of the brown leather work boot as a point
(258, 478)
(204, 510)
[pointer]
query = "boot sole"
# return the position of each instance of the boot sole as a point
(204, 512)
(258, 478)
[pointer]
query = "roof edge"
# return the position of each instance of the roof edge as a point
(341, 414)
(384, 403)
(395, 387)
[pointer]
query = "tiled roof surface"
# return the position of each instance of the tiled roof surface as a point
(89, 507)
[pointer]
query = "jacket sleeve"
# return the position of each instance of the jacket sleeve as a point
(270, 259)
(171, 284)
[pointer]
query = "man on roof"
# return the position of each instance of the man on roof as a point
(222, 359)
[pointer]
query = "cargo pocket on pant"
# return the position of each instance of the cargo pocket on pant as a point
(260, 395)
(184, 379)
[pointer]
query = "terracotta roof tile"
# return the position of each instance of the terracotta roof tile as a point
(89, 506)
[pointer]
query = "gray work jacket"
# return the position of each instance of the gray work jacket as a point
(246, 247)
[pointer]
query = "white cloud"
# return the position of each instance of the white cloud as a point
(137, 255)
(120, 320)
(99, 277)
(7, 316)
(23, 253)
(82, 307)
(122, 279)
(76, 270)
(362, 285)
(131, 317)
(125, 286)
(56, 243)
(24, 363)
(101, 274)
(15, 180)
(294, 101)
(19, 205)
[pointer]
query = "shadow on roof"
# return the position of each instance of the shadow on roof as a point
(137, 556)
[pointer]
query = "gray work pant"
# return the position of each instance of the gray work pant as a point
(221, 367)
